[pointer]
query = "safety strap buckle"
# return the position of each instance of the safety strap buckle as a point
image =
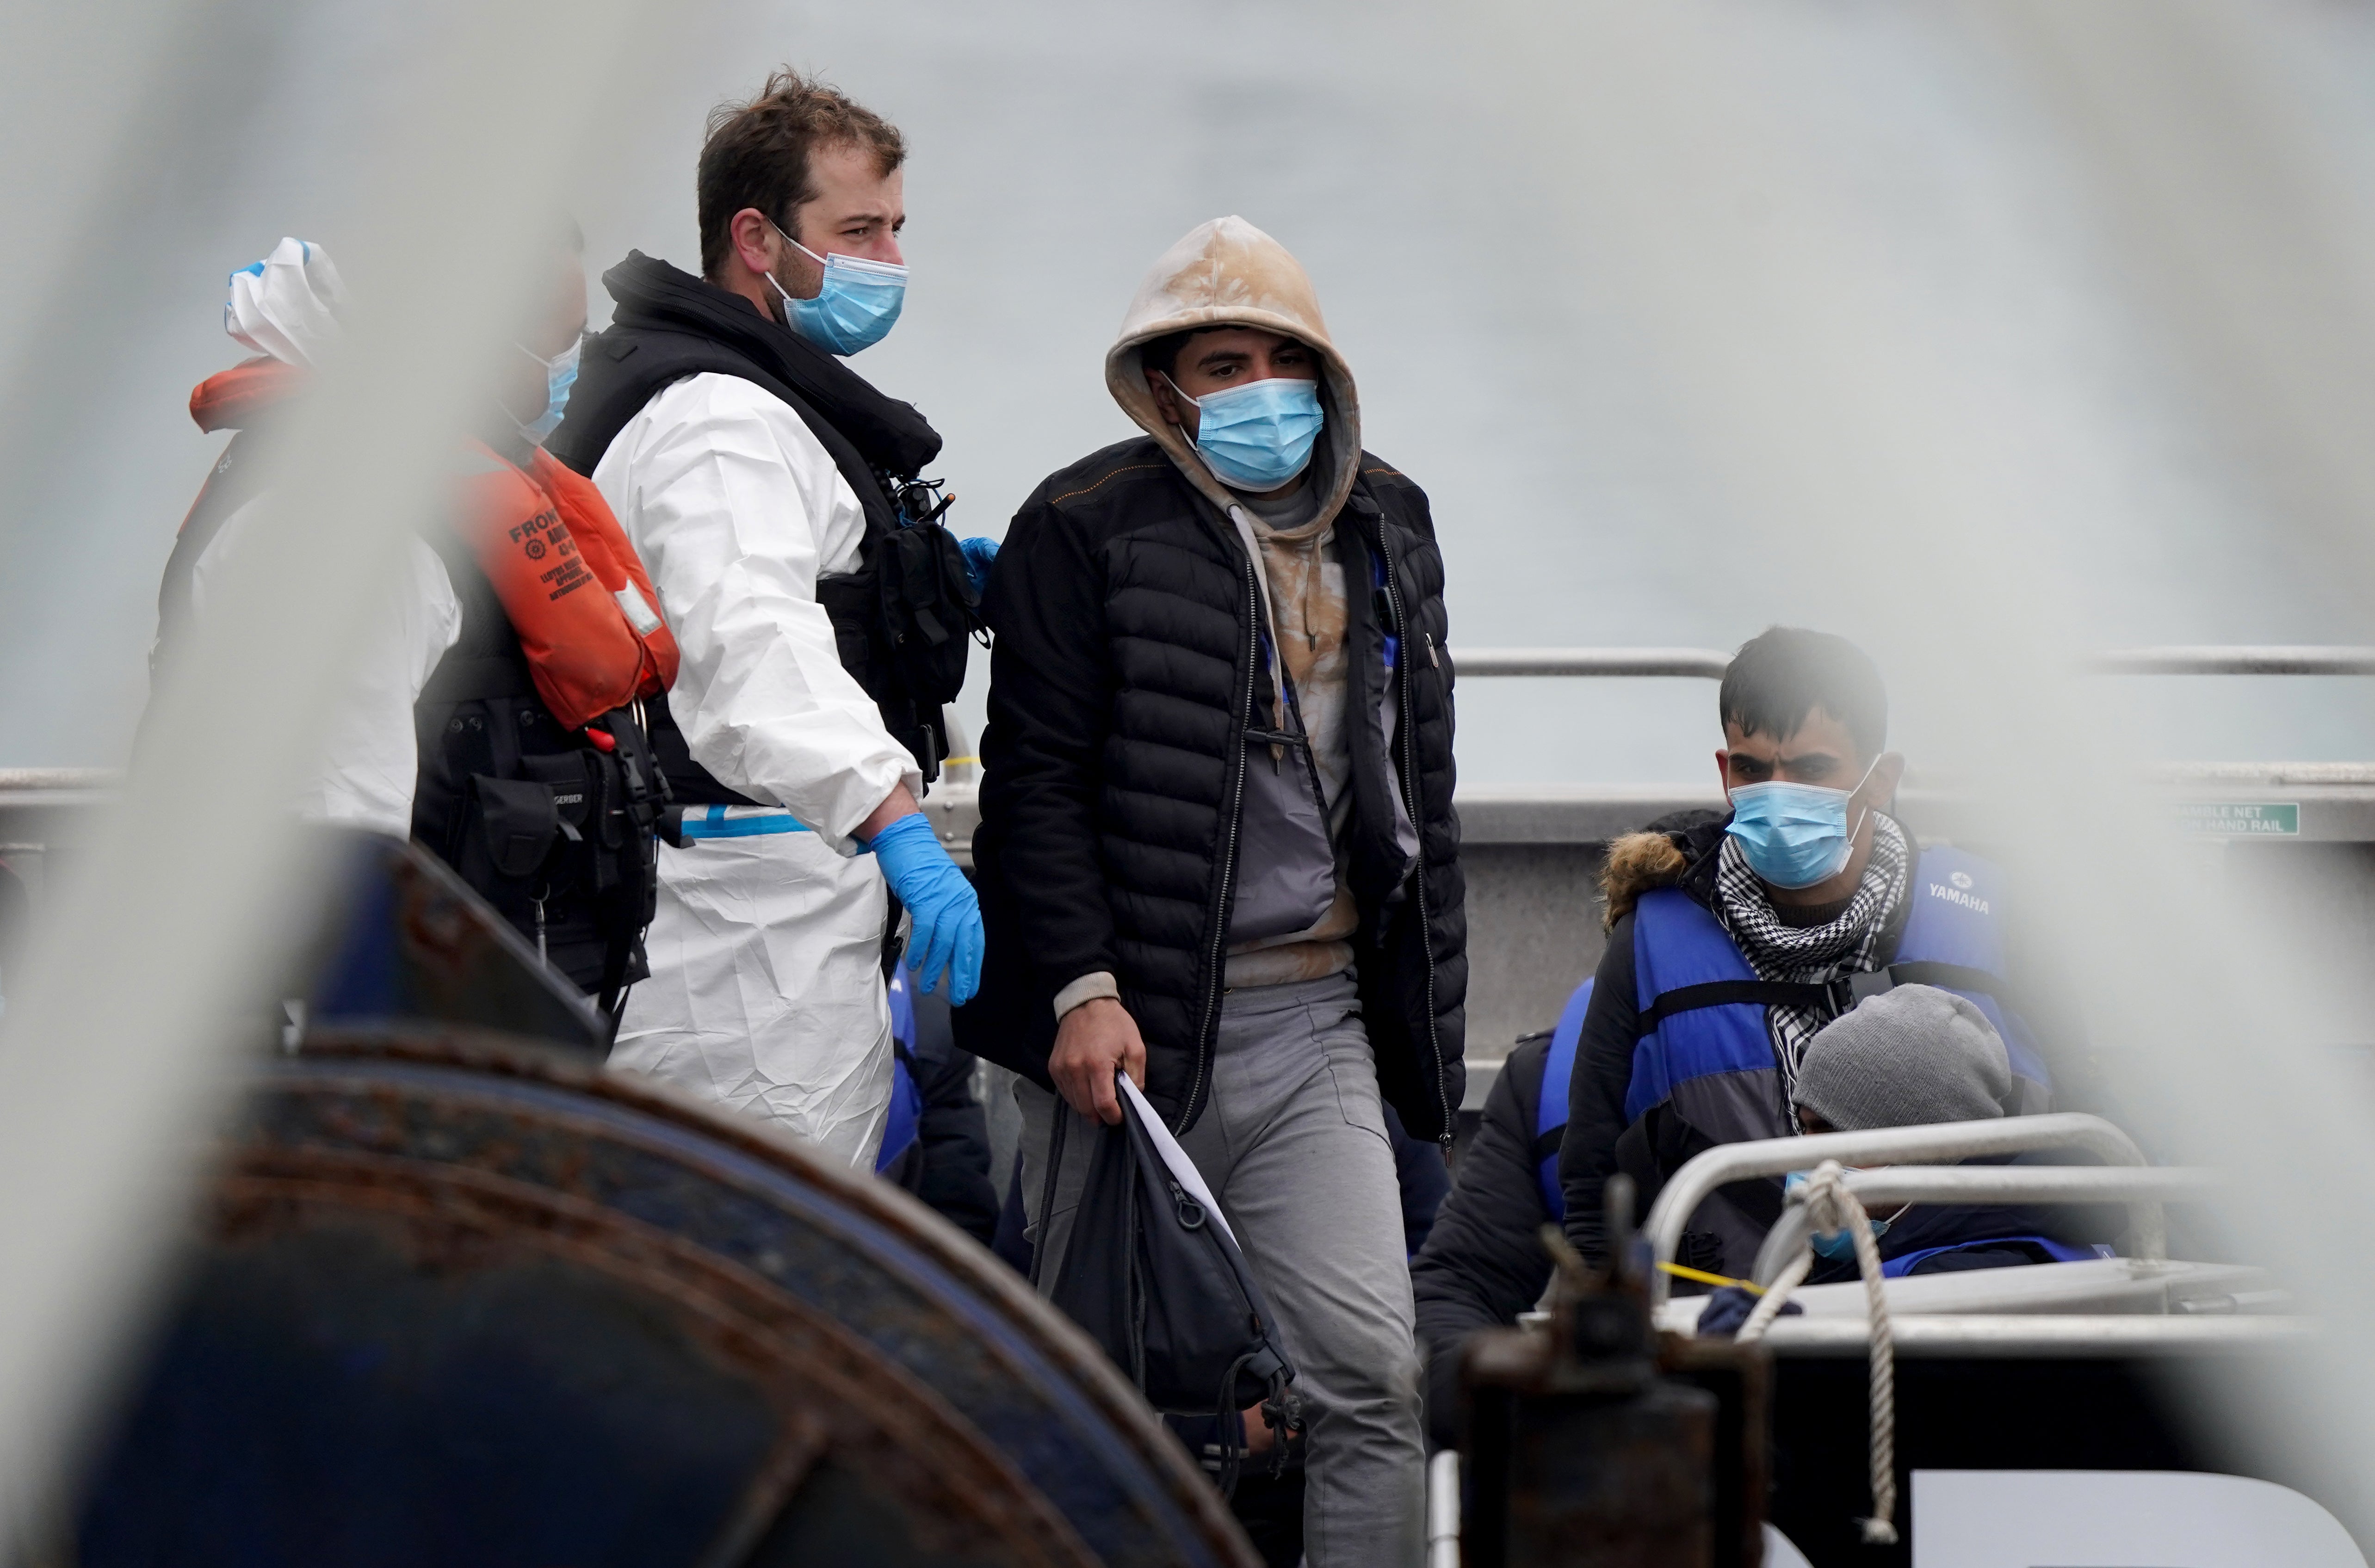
(1864, 986)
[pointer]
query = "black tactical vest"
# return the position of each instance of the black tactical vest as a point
(900, 621)
(555, 830)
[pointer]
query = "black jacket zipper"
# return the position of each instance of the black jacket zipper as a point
(1216, 958)
(1418, 822)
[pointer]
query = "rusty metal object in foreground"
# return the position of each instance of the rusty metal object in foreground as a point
(454, 1300)
(1597, 1443)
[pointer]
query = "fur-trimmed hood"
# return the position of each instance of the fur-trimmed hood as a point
(1228, 273)
(1675, 848)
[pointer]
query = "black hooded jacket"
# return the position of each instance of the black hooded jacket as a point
(1123, 683)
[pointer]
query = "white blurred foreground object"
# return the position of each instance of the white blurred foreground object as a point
(2116, 1518)
(118, 1050)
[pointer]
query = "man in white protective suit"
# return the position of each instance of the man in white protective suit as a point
(821, 617)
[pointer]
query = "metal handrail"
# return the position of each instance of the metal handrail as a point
(2028, 1336)
(1703, 663)
(1708, 664)
(19, 781)
(2270, 659)
(1726, 1163)
(2144, 1188)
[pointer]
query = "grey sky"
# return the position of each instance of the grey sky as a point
(1550, 244)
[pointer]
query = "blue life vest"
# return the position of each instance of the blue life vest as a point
(1549, 1111)
(907, 1098)
(1704, 1048)
(2060, 1252)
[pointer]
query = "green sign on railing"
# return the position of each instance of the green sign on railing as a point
(2240, 819)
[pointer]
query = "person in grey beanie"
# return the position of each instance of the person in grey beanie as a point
(1909, 1056)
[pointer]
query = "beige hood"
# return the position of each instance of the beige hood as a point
(1228, 273)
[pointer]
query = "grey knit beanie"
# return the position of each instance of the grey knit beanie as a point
(1910, 1056)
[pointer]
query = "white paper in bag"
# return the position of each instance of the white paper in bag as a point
(1183, 1170)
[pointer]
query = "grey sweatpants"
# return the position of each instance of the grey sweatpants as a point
(1293, 1144)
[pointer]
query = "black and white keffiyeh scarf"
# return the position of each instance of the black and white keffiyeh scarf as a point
(1809, 955)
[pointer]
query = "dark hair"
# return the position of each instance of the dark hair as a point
(756, 154)
(1162, 353)
(1786, 672)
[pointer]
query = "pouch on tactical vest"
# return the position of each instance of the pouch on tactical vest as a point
(556, 833)
(930, 608)
(902, 622)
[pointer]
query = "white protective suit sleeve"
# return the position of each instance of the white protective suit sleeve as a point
(737, 509)
(370, 758)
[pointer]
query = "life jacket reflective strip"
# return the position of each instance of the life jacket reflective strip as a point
(1952, 939)
(2060, 1252)
(1550, 1109)
(906, 1117)
(583, 654)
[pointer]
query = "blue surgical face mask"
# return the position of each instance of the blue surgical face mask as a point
(1833, 1245)
(856, 309)
(559, 376)
(1795, 835)
(1841, 1244)
(1258, 436)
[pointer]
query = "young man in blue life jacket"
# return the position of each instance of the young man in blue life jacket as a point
(1732, 944)
(1910, 1057)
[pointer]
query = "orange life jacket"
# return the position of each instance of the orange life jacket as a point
(563, 569)
(228, 399)
(572, 586)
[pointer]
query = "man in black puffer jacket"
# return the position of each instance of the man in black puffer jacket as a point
(1217, 839)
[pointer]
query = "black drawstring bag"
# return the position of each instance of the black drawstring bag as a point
(1157, 1281)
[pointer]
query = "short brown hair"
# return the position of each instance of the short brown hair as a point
(757, 155)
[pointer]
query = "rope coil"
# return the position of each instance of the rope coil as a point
(1831, 1207)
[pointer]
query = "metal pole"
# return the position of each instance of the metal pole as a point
(2239, 660)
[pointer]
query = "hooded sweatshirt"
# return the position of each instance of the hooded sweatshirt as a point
(1228, 273)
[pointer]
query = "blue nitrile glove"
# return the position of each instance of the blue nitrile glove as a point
(947, 915)
(979, 554)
